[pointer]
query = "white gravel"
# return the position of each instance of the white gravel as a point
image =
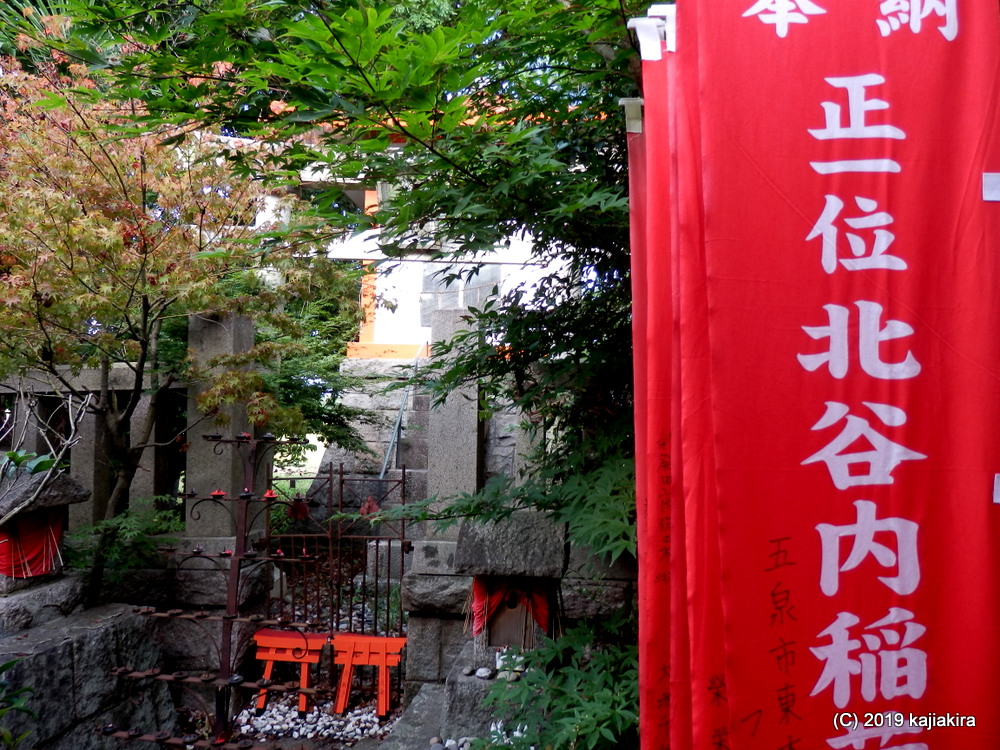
(281, 719)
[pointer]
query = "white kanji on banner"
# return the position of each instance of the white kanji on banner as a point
(868, 254)
(879, 460)
(783, 13)
(904, 559)
(855, 125)
(899, 13)
(871, 334)
(858, 107)
(889, 667)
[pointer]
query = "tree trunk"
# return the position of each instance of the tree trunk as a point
(125, 453)
(122, 455)
(117, 504)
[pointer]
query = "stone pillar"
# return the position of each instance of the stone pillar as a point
(89, 466)
(454, 432)
(208, 337)
(143, 485)
(435, 597)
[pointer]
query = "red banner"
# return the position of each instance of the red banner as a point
(649, 183)
(836, 501)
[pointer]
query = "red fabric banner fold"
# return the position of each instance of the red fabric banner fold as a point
(835, 480)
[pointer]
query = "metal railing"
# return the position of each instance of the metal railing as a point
(333, 565)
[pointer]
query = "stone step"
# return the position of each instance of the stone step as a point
(419, 722)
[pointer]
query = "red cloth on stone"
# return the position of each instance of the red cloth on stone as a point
(29, 544)
(489, 593)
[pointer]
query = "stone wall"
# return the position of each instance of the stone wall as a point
(463, 452)
(42, 603)
(66, 664)
(373, 378)
(435, 597)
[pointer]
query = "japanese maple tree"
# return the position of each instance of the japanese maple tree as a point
(108, 244)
